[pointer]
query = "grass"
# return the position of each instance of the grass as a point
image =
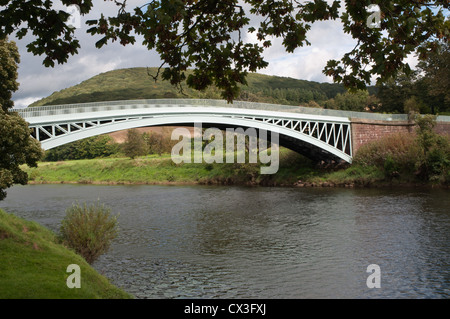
(154, 169)
(294, 170)
(33, 265)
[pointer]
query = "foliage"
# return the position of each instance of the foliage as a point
(425, 154)
(425, 90)
(395, 92)
(92, 147)
(16, 145)
(9, 60)
(436, 79)
(399, 150)
(159, 143)
(359, 101)
(208, 35)
(433, 161)
(89, 230)
(135, 144)
(391, 168)
(411, 107)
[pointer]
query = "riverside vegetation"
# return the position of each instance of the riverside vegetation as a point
(89, 230)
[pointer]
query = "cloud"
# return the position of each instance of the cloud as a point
(23, 103)
(328, 41)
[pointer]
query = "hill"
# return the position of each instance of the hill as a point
(135, 83)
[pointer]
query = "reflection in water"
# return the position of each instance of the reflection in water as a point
(238, 242)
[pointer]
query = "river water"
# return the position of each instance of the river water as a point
(262, 242)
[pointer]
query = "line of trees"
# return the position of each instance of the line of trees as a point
(425, 90)
(136, 144)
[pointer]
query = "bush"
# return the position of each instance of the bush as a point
(424, 155)
(135, 145)
(400, 149)
(89, 230)
(391, 168)
(434, 161)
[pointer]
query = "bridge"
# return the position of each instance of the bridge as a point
(317, 133)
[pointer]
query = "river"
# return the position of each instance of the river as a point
(262, 242)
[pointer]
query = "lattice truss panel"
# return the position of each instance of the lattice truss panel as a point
(331, 133)
(47, 131)
(337, 135)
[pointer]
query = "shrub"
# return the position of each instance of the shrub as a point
(135, 145)
(400, 149)
(434, 160)
(89, 230)
(425, 154)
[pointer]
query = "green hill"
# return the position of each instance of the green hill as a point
(135, 83)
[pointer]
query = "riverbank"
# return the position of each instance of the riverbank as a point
(34, 265)
(294, 171)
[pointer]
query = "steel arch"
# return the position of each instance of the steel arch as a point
(58, 125)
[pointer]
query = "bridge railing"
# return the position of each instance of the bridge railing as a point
(155, 103)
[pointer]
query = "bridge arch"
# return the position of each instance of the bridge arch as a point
(318, 137)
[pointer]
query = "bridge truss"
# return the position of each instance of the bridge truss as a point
(57, 125)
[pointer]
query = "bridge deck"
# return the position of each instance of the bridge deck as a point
(133, 104)
(314, 131)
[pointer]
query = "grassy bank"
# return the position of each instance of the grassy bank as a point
(33, 265)
(294, 170)
(154, 169)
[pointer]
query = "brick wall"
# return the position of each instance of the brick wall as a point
(442, 128)
(364, 131)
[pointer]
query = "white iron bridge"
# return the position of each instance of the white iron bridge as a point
(320, 137)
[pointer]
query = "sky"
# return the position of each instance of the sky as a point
(328, 41)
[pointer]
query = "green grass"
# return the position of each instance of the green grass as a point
(156, 169)
(356, 175)
(33, 265)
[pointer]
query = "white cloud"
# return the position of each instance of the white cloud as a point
(23, 103)
(328, 41)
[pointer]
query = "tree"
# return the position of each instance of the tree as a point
(207, 35)
(394, 93)
(135, 144)
(428, 86)
(436, 79)
(359, 101)
(17, 147)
